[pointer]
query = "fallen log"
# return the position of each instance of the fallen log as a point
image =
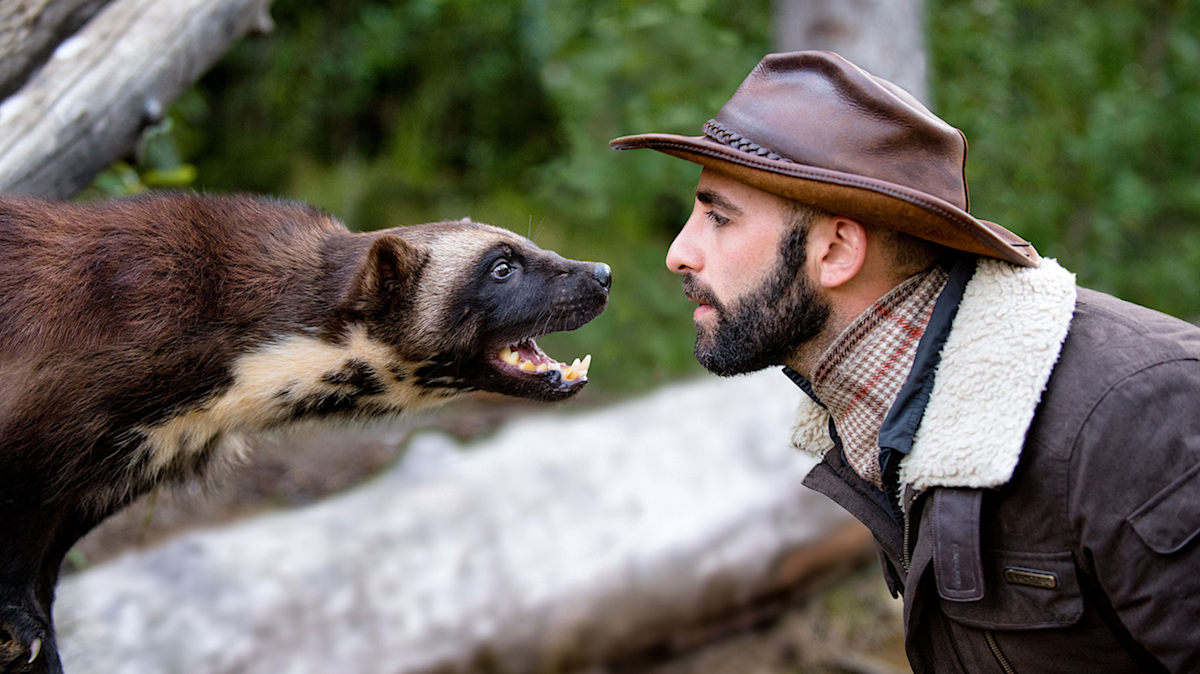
(30, 30)
(86, 106)
(561, 541)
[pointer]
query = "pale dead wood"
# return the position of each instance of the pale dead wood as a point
(118, 73)
(31, 29)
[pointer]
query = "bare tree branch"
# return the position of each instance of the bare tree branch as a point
(88, 103)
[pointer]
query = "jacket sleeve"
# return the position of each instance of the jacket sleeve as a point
(1134, 502)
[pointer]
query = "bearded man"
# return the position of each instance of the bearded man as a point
(1026, 452)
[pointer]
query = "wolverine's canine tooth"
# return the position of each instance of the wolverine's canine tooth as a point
(34, 649)
(587, 361)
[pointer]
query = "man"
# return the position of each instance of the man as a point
(1026, 453)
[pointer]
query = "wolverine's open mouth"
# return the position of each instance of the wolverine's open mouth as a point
(527, 360)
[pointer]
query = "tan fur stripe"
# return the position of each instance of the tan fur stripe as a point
(268, 381)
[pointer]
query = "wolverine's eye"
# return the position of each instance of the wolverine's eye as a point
(502, 270)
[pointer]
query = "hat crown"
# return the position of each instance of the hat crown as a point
(818, 109)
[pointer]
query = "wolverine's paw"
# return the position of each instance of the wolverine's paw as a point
(26, 644)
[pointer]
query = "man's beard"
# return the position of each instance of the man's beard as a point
(767, 325)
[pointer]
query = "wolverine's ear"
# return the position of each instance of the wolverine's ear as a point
(387, 274)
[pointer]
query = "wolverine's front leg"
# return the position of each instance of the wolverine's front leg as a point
(35, 534)
(27, 643)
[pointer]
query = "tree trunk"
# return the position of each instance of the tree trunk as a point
(87, 105)
(883, 37)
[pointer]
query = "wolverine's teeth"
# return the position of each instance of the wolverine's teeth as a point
(573, 372)
(34, 649)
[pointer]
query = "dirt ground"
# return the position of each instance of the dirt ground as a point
(843, 623)
(848, 624)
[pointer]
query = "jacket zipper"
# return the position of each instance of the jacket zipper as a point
(905, 553)
(1004, 664)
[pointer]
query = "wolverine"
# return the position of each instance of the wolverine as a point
(142, 339)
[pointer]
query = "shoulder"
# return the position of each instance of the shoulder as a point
(1112, 347)
(1105, 328)
(1123, 404)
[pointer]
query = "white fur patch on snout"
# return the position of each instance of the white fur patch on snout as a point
(268, 383)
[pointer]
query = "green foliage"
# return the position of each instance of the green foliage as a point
(158, 164)
(1082, 116)
(400, 112)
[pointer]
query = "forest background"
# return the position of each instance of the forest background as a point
(1082, 117)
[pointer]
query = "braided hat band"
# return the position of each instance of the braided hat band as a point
(723, 135)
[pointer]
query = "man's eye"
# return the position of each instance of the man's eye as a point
(717, 218)
(502, 270)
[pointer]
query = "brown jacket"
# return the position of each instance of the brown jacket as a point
(1080, 556)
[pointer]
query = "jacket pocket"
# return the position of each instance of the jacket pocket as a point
(1018, 625)
(1023, 591)
(1171, 518)
(1032, 619)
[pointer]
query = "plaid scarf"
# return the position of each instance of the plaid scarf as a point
(861, 373)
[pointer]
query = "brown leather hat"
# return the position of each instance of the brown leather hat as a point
(813, 127)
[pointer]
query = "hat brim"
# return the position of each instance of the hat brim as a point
(866, 199)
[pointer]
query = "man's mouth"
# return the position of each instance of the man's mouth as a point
(696, 292)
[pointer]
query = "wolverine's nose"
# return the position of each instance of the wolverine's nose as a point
(603, 274)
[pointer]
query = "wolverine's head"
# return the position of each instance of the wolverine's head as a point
(464, 302)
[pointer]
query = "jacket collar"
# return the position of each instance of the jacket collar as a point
(1003, 344)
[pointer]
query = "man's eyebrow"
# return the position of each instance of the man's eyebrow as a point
(710, 198)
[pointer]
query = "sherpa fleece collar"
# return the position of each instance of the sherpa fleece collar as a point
(1002, 347)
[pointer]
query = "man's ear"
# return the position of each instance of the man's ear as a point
(837, 250)
(387, 274)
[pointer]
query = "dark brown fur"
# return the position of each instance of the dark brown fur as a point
(117, 317)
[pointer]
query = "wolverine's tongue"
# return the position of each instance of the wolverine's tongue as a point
(527, 357)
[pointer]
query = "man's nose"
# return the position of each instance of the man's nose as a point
(683, 256)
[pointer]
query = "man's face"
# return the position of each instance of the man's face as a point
(743, 261)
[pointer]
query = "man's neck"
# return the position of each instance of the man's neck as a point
(807, 354)
(858, 374)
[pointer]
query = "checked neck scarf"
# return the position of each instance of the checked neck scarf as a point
(861, 373)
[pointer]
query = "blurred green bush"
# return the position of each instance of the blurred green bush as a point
(1081, 116)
